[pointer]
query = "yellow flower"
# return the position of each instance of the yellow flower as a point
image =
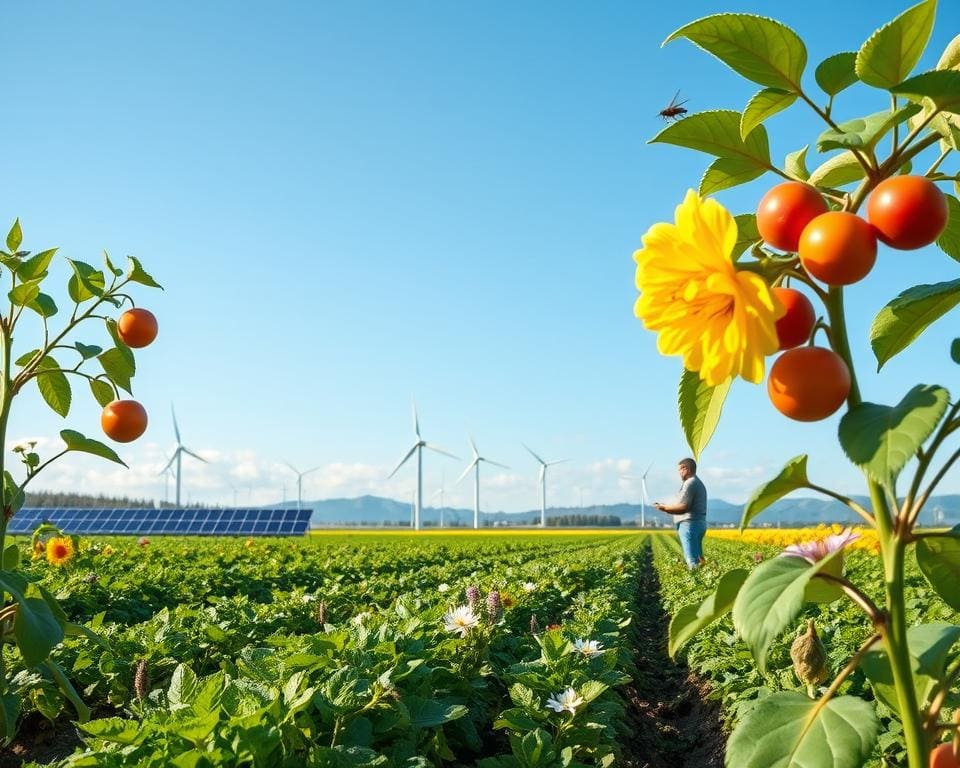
(59, 550)
(107, 551)
(720, 319)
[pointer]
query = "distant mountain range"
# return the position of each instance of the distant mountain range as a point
(379, 511)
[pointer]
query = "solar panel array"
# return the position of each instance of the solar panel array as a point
(166, 522)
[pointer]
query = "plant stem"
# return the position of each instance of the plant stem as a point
(6, 395)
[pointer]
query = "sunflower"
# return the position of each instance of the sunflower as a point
(720, 319)
(59, 550)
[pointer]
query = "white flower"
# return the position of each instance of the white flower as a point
(588, 648)
(361, 617)
(529, 587)
(443, 588)
(568, 701)
(309, 598)
(460, 620)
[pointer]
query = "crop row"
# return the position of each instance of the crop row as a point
(345, 653)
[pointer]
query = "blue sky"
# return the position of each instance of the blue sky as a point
(352, 205)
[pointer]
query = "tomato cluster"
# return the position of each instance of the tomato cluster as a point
(837, 248)
(126, 420)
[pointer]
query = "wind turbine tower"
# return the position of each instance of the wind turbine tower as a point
(178, 453)
(475, 466)
(418, 446)
(643, 493)
(543, 483)
(300, 475)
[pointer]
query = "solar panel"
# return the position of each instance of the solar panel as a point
(167, 522)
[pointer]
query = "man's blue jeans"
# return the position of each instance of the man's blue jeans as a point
(691, 533)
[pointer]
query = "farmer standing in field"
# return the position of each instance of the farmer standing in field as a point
(690, 510)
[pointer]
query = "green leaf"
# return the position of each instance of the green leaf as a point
(891, 53)
(838, 171)
(102, 392)
(66, 687)
(24, 294)
(726, 172)
(692, 618)
(882, 439)
(718, 133)
(763, 105)
(864, 132)
(54, 387)
(86, 282)
(791, 477)
(949, 241)
(116, 729)
(118, 367)
(78, 442)
(700, 407)
(110, 265)
(11, 557)
(430, 713)
(955, 351)
(14, 237)
(43, 305)
(87, 351)
(9, 714)
(941, 86)
(901, 322)
(35, 628)
(747, 233)
(183, 687)
(771, 598)
(950, 59)
(795, 164)
(837, 73)
(136, 274)
(26, 357)
(762, 50)
(939, 560)
(789, 730)
(120, 344)
(36, 266)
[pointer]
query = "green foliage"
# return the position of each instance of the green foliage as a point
(838, 171)
(762, 50)
(949, 241)
(692, 618)
(941, 87)
(791, 730)
(747, 234)
(891, 53)
(939, 559)
(700, 407)
(726, 172)
(837, 73)
(795, 164)
(882, 438)
(901, 322)
(78, 442)
(718, 133)
(864, 132)
(792, 477)
(763, 105)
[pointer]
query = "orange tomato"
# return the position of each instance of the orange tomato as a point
(793, 329)
(137, 327)
(944, 757)
(907, 212)
(785, 210)
(808, 383)
(838, 248)
(123, 420)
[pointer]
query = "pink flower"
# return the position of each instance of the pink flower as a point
(815, 551)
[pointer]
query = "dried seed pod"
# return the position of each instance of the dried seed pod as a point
(494, 607)
(473, 596)
(809, 658)
(534, 627)
(320, 614)
(141, 680)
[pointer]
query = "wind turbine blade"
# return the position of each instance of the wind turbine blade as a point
(416, 421)
(558, 461)
(169, 463)
(494, 463)
(648, 469)
(404, 460)
(295, 470)
(312, 470)
(643, 490)
(473, 445)
(191, 453)
(176, 429)
(532, 453)
(466, 472)
(438, 449)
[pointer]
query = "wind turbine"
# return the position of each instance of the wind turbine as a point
(475, 466)
(167, 474)
(177, 454)
(300, 475)
(417, 448)
(440, 493)
(543, 483)
(643, 493)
